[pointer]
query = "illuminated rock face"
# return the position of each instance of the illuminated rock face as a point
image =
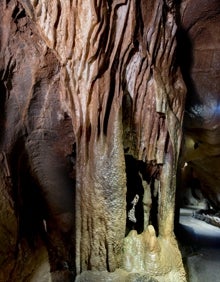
(93, 96)
(202, 120)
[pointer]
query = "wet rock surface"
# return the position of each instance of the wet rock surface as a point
(92, 92)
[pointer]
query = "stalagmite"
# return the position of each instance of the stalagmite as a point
(120, 93)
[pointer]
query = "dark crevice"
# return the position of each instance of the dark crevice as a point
(137, 172)
(29, 204)
(88, 132)
(107, 256)
(58, 15)
(71, 163)
(153, 220)
(134, 187)
(32, 209)
(18, 13)
(2, 108)
(109, 104)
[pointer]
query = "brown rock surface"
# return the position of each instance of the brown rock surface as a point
(201, 46)
(85, 83)
(36, 137)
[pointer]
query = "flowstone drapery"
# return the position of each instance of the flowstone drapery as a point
(124, 93)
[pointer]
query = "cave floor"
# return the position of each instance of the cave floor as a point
(200, 245)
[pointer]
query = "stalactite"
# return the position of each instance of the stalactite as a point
(108, 50)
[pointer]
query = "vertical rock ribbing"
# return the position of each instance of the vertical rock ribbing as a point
(110, 51)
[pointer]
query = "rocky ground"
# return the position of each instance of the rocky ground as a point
(209, 216)
(200, 243)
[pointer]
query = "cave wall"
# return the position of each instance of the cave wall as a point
(30, 111)
(199, 58)
(85, 86)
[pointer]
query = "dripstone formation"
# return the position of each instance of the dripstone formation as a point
(92, 104)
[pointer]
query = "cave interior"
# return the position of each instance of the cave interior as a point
(40, 225)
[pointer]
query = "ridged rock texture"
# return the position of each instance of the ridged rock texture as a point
(92, 104)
